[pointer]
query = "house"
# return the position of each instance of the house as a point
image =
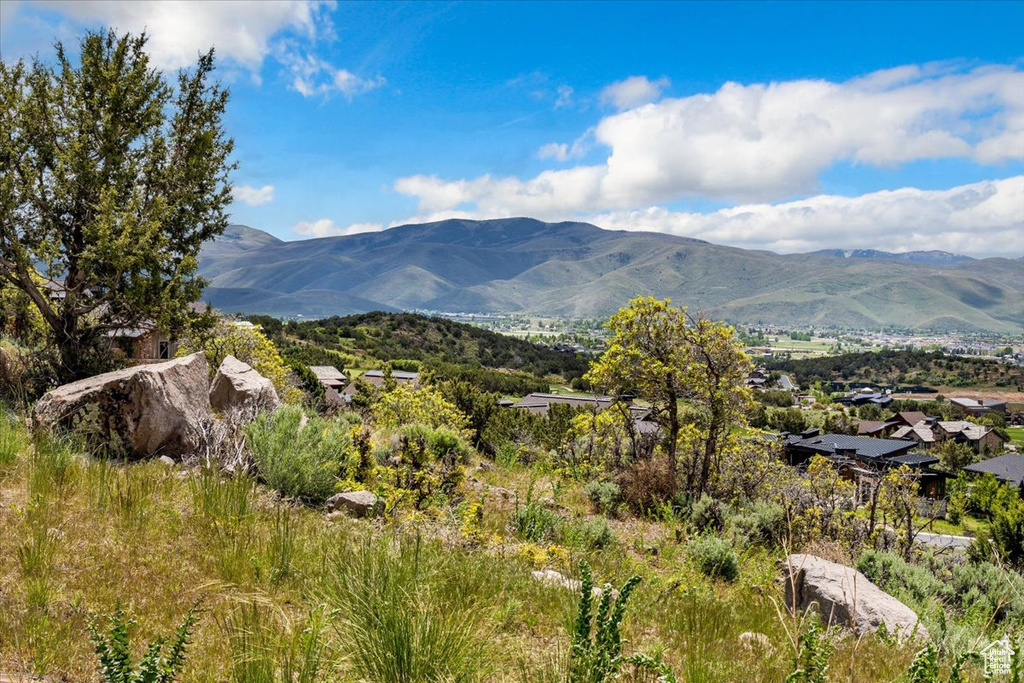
(981, 438)
(865, 396)
(144, 343)
(334, 382)
(931, 431)
(875, 428)
(376, 378)
(1008, 469)
(908, 418)
(982, 406)
(538, 403)
(843, 449)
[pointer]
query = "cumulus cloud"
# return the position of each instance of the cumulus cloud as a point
(760, 142)
(253, 196)
(325, 227)
(980, 219)
(633, 92)
(241, 30)
(561, 151)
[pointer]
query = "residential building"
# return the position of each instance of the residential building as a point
(974, 406)
(1009, 468)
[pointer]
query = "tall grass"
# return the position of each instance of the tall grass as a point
(303, 457)
(269, 647)
(13, 440)
(404, 616)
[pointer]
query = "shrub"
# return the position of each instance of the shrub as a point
(989, 591)
(707, 515)
(596, 653)
(714, 557)
(303, 461)
(647, 484)
(114, 651)
(911, 583)
(533, 522)
(590, 534)
(604, 495)
(760, 522)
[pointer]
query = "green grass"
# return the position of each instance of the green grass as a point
(288, 595)
(1016, 435)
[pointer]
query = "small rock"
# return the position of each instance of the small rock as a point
(357, 503)
(549, 577)
(167, 460)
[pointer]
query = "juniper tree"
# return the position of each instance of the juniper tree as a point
(111, 178)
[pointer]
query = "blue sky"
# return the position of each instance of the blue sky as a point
(785, 126)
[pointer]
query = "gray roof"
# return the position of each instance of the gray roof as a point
(1006, 468)
(864, 446)
(395, 374)
(913, 459)
(328, 373)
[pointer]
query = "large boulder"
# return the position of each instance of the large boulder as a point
(237, 387)
(845, 597)
(356, 503)
(143, 411)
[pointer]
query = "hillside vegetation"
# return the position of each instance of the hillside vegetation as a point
(579, 270)
(905, 367)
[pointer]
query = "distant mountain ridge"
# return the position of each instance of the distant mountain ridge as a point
(580, 270)
(933, 257)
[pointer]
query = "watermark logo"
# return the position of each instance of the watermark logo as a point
(998, 656)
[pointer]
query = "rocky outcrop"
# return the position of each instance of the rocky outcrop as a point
(845, 597)
(238, 388)
(146, 410)
(356, 503)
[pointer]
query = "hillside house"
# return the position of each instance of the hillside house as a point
(932, 431)
(146, 343)
(865, 396)
(864, 460)
(333, 381)
(875, 428)
(1008, 469)
(539, 403)
(908, 418)
(976, 407)
(376, 378)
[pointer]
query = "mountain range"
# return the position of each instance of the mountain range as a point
(579, 270)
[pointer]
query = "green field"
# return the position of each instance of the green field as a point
(1016, 435)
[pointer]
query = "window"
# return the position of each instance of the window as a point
(165, 349)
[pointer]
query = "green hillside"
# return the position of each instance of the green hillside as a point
(579, 270)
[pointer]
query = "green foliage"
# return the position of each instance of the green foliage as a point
(13, 439)
(303, 461)
(151, 163)
(589, 534)
(113, 648)
(248, 344)
(662, 354)
(777, 398)
(596, 654)
(406, 614)
(792, 420)
(311, 386)
(910, 583)
(435, 340)
(605, 496)
(954, 456)
(925, 667)
(534, 522)
(406, 404)
(811, 661)
(714, 557)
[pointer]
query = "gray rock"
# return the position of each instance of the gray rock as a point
(357, 503)
(239, 388)
(141, 411)
(845, 597)
(549, 577)
(167, 460)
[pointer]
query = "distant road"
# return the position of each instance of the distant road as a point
(943, 540)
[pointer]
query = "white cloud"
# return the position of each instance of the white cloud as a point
(980, 219)
(253, 196)
(760, 142)
(313, 76)
(633, 92)
(325, 227)
(564, 98)
(241, 30)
